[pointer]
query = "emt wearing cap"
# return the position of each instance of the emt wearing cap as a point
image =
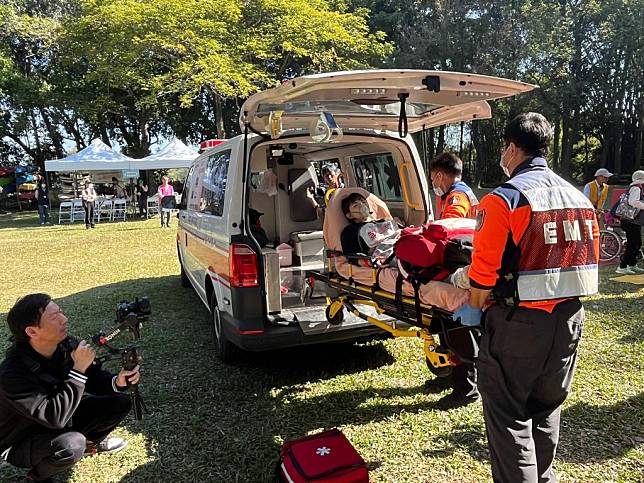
(457, 200)
(597, 190)
(536, 251)
(633, 228)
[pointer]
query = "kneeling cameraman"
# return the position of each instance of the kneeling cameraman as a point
(56, 404)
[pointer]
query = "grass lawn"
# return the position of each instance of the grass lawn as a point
(214, 422)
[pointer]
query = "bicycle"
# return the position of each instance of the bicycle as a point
(612, 242)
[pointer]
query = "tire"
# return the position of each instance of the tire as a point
(610, 245)
(185, 281)
(439, 371)
(226, 350)
(337, 319)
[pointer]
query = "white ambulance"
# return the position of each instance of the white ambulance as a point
(359, 121)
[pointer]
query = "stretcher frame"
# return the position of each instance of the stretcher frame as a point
(432, 325)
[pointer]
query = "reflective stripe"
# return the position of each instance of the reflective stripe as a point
(556, 283)
(548, 198)
(5, 453)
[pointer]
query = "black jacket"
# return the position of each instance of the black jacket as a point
(40, 394)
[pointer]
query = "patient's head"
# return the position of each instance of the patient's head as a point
(356, 208)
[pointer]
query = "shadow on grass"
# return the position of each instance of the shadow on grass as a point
(588, 434)
(591, 433)
(216, 422)
(617, 312)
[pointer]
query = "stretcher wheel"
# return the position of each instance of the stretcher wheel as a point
(439, 371)
(338, 317)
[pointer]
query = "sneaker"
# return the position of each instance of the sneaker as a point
(625, 271)
(456, 400)
(636, 269)
(108, 445)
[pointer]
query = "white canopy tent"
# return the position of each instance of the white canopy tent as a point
(98, 156)
(174, 155)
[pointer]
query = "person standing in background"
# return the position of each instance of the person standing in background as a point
(42, 196)
(167, 201)
(142, 194)
(597, 192)
(89, 202)
(119, 189)
(633, 228)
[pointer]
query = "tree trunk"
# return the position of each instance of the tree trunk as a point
(556, 152)
(219, 117)
(617, 153)
(441, 139)
(431, 146)
(639, 137)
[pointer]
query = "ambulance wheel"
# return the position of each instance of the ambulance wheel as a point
(439, 371)
(226, 350)
(337, 319)
(185, 281)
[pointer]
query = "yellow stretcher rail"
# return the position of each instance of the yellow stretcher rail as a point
(436, 355)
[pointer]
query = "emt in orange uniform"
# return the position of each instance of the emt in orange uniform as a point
(536, 252)
(457, 201)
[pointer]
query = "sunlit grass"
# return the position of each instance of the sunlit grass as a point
(212, 422)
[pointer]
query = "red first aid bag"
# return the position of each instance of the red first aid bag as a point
(326, 457)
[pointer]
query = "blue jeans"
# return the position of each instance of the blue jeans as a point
(43, 213)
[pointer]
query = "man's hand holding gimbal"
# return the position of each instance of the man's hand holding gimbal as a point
(124, 377)
(83, 356)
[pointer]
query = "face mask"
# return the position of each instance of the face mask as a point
(43, 186)
(505, 169)
(364, 210)
(439, 191)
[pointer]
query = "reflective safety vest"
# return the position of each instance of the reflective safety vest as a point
(462, 195)
(558, 258)
(597, 197)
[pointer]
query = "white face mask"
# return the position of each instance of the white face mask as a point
(364, 210)
(505, 169)
(439, 191)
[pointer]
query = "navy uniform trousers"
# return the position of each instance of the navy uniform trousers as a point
(525, 368)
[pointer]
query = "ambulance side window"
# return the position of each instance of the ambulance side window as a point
(195, 181)
(187, 189)
(378, 174)
(214, 183)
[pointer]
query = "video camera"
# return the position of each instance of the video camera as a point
(129, 318)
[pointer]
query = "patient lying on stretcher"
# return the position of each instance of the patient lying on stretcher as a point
(434, 293)
(366, 235)
(377, 238)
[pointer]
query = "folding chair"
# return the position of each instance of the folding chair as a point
(153, 206)
(104, 211)
(78, 213)
(65, 212)
(119, 210)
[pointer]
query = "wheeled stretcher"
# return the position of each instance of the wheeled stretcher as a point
(423, 311)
